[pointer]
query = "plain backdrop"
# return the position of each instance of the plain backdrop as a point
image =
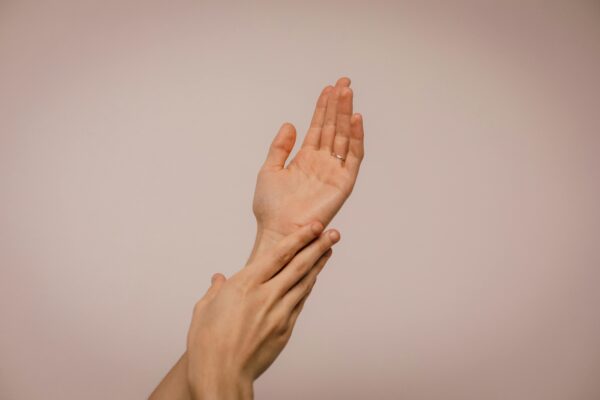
(131, 133)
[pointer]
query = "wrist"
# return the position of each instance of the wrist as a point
(217, 386)
(265, 239)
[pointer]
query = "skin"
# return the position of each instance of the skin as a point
(243, 323)
(314, 185)
(311, 188)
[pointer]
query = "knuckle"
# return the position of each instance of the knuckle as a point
(245, 277)
(285, 255)
(305, 285)
(270, 298)
(244, 290)
(282, 328)
(278, 325)
(298, 265)
(261, 302)
(267, 297)
(246, 280)
(240, 286)
(286, 331)
(299, 269)
(310, 283)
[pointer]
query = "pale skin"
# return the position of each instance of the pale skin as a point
(242, 323)
(314, 185)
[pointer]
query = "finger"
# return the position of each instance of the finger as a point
(281, 147)
(303, 262)
(344, 113)
(301, 289)
(328, 131)
(343, 81)
(267, 266)
(217, 281)
(313, 136)
(356, 149)
(296, 312)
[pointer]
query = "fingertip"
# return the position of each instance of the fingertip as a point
(217, 277)
(286, 137)
(344, 81)
(288, 127)
(334, 235)
(316, 227)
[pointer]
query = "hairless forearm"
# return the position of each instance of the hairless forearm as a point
(174, 385)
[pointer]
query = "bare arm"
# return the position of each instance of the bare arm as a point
(317, 181)
(174, 385)
(312, 187)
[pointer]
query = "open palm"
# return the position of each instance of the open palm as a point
(315, 184)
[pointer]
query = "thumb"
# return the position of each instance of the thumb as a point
(281, 146)
(217, 281)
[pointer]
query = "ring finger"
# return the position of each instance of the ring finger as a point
(342, 134)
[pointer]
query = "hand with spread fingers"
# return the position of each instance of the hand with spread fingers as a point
(242, 324)
(321, 176)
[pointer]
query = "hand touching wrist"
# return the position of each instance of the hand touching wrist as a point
(313, 186)
(265, 240)
(242, 324)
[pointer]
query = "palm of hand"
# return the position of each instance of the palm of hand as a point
(315, 183)
(313, 187)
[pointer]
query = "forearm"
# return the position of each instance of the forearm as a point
(174, 385)
(178, 384)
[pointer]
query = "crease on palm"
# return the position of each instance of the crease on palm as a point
(314, 184)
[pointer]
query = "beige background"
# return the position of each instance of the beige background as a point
(130, 136)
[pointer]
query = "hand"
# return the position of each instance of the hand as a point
(315, 184)
(242, 324)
